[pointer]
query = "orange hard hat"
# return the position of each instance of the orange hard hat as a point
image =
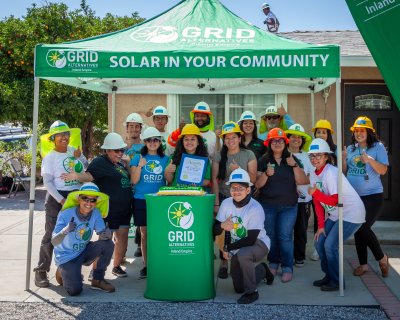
(276, 133)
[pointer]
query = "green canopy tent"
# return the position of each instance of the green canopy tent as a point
(197, 46)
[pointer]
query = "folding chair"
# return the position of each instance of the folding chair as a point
(19, 179)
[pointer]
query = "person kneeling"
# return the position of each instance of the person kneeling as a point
(246, 241)
(82, 213)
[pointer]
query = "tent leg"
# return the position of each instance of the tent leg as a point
(340, 195)
(113, 111)
(312, 108)
(32, 182)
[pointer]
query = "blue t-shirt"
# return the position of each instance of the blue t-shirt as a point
(133, 150)
(151, 176)
(364, 179)
(75, 242)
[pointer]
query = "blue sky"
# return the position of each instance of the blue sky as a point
(292, 14)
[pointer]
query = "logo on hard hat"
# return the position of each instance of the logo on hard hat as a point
(180, 215)
(228, 127)
(314, 147)
(361, 121)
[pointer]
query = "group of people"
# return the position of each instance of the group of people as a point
(267, 179)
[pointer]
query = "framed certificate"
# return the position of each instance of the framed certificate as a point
(192, 170)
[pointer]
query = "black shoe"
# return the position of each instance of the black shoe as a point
(117, 271)
(330, 287)
(269, 277)
(223, 273)
(322, 282)
(143, 273)
(138, 252)
(41, 279)
(248, 298)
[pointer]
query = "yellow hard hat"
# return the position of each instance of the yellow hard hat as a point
(363, 122)
(190, 129)
(230, 127)
(323, 124)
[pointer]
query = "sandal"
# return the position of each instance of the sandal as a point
(384, 267)
(359, 271)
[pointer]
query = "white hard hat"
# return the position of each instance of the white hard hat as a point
(239, 176)
(319, 145)
(247, 115)
(113, 141)
(160, 111)
(134, 117)
(271, 110)
(296, 127)
(151, 132)
(265, 5)
(202, 107)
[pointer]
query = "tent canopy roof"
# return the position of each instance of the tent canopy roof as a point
(195, 42)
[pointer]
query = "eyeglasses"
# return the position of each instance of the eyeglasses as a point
(277, 141)
(88, 200)
(316, 156)
(238, 189)
(122, 150)
(272, 117)
(152, 140)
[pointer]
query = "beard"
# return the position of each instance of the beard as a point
(202, 123)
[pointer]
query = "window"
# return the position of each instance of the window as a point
(257, 103)
(372, 102)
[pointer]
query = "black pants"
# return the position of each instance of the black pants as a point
(52, 208)
(222, 198)
(364, 237)
(300, 230)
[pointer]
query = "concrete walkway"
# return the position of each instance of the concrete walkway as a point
(13, 252)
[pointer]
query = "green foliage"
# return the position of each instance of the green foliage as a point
(52, 23)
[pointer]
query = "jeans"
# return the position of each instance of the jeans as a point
(328, 247)
(300, 230)
(279, 224)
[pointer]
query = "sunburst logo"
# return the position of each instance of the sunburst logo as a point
(357, 161)
(153, 166)
(83, 232)
(56, 59)
(180, 215)
(72, 164)
(239, 231)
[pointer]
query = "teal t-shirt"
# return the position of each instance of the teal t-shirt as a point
(75, 242)
(151, 176)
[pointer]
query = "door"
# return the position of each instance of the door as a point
(375, 102)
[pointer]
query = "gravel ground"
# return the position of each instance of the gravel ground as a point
(185, 311)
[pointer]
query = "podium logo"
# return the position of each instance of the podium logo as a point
(180, 215)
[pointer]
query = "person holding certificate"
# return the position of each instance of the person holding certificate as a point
(189, 164)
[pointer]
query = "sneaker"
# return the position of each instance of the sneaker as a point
(269, 277)
(330, 286)
(299, 263)
(117, 271)
(322, 282)
(143, 273)
(90, 277)
(248, 298)
(138, 252)
(102, 285)
(314, 256)
(41, 279)
(59, 277)
(286, 277)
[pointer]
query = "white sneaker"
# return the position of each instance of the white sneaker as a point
(314, 256)
(90, 277)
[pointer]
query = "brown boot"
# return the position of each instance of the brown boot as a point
(58, 277)
(102, 285)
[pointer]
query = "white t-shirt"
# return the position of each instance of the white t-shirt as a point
(56, 163)
(309, 170)
(353, 207)
(168, 149)
(272, 27)
(210, 139)
(249, 217)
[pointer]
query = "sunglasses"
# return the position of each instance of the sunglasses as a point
(122, 150)
(272, 117)
(317, 156)
(63, 134)
(152, 140)
(88, 200)
(277, 141)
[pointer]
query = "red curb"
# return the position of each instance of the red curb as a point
(389, 303)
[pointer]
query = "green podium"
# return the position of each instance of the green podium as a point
(180, 256)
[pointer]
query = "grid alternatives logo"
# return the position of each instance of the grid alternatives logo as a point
(180, 215)
(56, 59)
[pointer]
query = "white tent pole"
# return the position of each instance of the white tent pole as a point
(312, 108)
(339, 144)
(113, 111)
(33, 182)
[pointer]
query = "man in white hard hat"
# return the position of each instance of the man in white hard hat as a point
(203, 118)
(274, 117)
(160, 119)
(271, 21)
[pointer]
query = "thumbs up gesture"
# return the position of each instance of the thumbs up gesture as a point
(142, 162)
(171, 168)
(228, 224)
(234, 165)
(290, 161)
(270, 169)
(70, 227)
(77, 152)
(312, 189)
(344, 153)
(106, 234)
(365, 158)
